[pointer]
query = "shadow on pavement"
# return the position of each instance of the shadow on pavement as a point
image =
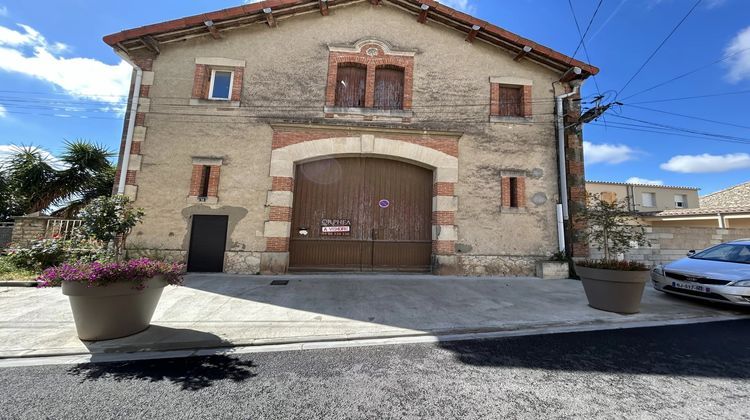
(716, 350)
(191, 374)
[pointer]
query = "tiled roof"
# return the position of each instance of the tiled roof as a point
(708, 211)
(222, 20)
(673, 187)
(736, 196)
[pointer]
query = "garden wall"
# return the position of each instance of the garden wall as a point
(672, 243)
(6, 234)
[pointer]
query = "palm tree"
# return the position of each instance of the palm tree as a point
(38, 181)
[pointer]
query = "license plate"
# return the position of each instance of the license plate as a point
(691, 286)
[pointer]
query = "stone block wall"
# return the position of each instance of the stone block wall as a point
(28, 229)
(672, 243)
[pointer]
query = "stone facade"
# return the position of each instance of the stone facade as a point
(672, 243)
(281, 116)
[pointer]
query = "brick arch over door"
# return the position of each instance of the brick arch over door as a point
(439, 155)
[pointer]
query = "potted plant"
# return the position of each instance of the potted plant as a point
(556, 267)
(115, 299)
(612, 284)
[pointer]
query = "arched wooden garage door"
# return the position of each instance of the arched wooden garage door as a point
(361, 214)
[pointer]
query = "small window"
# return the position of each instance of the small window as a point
(680, 201)
(389, 88)
(648, 199)
(513, 192)
(221, 85)
(511, 101)
(205, 177)
(350, 86)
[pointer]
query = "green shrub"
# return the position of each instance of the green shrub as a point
(46, 253)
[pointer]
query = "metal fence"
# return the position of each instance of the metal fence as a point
(62, 228)
(6, 234)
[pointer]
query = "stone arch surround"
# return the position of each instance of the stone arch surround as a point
(289, 149)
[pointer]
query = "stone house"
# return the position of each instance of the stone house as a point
(313, 135)
(646, 197)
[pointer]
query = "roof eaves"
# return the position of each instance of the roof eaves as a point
(195, 21)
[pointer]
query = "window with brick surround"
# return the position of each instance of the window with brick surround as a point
(204, 183)
(218, 79)
(513, 191)
(510, 97)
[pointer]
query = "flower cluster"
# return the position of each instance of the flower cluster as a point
(613, 265)
(98, 274)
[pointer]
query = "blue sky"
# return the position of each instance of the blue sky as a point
(54, 70)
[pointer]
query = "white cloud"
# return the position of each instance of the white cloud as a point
(644, 181)
(3, 112)
(607, 153)
(739, 64)
(706, 163)
(28, 52)
(463, 5)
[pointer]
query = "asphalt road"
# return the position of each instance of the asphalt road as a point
(681, 372)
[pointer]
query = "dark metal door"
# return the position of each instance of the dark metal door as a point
(207, 244)
(361, 214)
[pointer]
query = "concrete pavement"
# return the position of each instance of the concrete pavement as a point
(215, 311)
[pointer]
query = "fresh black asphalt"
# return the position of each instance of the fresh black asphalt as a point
(681, 372)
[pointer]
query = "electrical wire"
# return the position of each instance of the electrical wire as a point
(658, 48)
(588, 27)
(583, 42)
(692, 117)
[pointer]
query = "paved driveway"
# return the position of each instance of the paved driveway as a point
(226, 310)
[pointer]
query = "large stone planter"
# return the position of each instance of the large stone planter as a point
(613, 290)
(113, 311)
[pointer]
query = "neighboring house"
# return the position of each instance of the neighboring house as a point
(646, 197)
(349, 135)
(736, 196)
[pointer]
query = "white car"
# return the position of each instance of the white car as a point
(719, 274)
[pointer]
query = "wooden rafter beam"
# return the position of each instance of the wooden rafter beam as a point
(323, 4)
(521, 54)
(572, 73)
(212, 29)
(151, 44)
(269, 17)
(423, 13)
(473, 34)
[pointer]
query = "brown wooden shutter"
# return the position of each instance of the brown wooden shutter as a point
(510, 101)
(350, 86)
(389, 88)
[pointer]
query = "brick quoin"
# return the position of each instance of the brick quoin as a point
(140, 119)
(145, 91)
(200, 81)
(196, 180)
(443, 247)
(277, 244)
(505, 191)
(443, 218)
(280, 183)
(280, 214)
(130, 178)
(445, 189)
(282, 138)
(239, 75)
(372, 63)
(135, 148)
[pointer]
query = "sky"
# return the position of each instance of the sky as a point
(59, 81)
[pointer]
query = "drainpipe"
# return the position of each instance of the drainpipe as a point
(125, 162)
(560, 228)
(722, 225)
(561, 146)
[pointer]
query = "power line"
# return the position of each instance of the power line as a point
(583, 42)
(692, 117)
(686, 74)
(588, 27)
(739, 92)
(687, 130)
(650, 57)
(656, 130)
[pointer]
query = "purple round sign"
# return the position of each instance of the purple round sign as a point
(384, 204)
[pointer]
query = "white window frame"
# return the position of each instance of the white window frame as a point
(643, 202)
(211, 85)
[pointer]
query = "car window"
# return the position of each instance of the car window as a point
(726, 252)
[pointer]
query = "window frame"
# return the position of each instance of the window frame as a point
(211, 85)
(516, 106)
(682, 203)
(653, 203)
